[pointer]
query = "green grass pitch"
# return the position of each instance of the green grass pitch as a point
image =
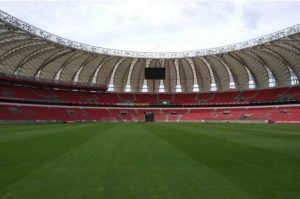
(155, 161)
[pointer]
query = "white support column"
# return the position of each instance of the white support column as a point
(213, 85)
(76, 78)
(57, 75)
(17, 72)
(128, 85)
(293, 77)
(38, 74)
(145, 86)
(195, 85)
(251, 82)
(232, 83)
(94, 81)
(161, 88)
(178, 85)
(111, 86)
(272, 81)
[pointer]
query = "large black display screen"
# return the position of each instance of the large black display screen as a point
(155, 73)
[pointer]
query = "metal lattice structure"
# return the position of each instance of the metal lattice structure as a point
(268, 61)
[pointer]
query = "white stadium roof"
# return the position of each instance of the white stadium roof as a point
(271, 60)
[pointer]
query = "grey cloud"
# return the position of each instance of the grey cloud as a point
(251, 17)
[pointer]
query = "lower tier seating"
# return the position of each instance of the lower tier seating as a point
(30, 112)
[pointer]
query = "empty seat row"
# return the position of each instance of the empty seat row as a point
(10, 111)
(218, 98)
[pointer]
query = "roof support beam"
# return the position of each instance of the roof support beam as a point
(128, 85)
(145, 85)
(213, 85)
(232, 79)
(83, 63)
(65, 62)
(19, 49)
(178, 84)
(38, 52)
(195, 82)
(161, 87)
(51, 58)
(112, 77)
(94, 79)
(257, 69)
(244, 73)
(279, 80)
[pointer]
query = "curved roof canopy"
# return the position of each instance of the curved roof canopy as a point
(268, 61)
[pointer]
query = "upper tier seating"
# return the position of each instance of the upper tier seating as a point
(94, 98)
(268, 95)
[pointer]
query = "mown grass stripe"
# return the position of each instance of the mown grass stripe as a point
(20, 157)
(122, 163)
(18, 134)
(243, 164)
(138, 160)
(242, 134)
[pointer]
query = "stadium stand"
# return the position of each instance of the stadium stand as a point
(251, 80)
(33, 112)
(86, 97)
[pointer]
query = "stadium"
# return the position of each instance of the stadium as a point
(81, 121)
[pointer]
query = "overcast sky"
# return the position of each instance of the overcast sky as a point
(157, 25)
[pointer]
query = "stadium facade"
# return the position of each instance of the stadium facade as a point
(248, 81)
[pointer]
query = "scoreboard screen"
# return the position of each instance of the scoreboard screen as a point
(155, 73)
